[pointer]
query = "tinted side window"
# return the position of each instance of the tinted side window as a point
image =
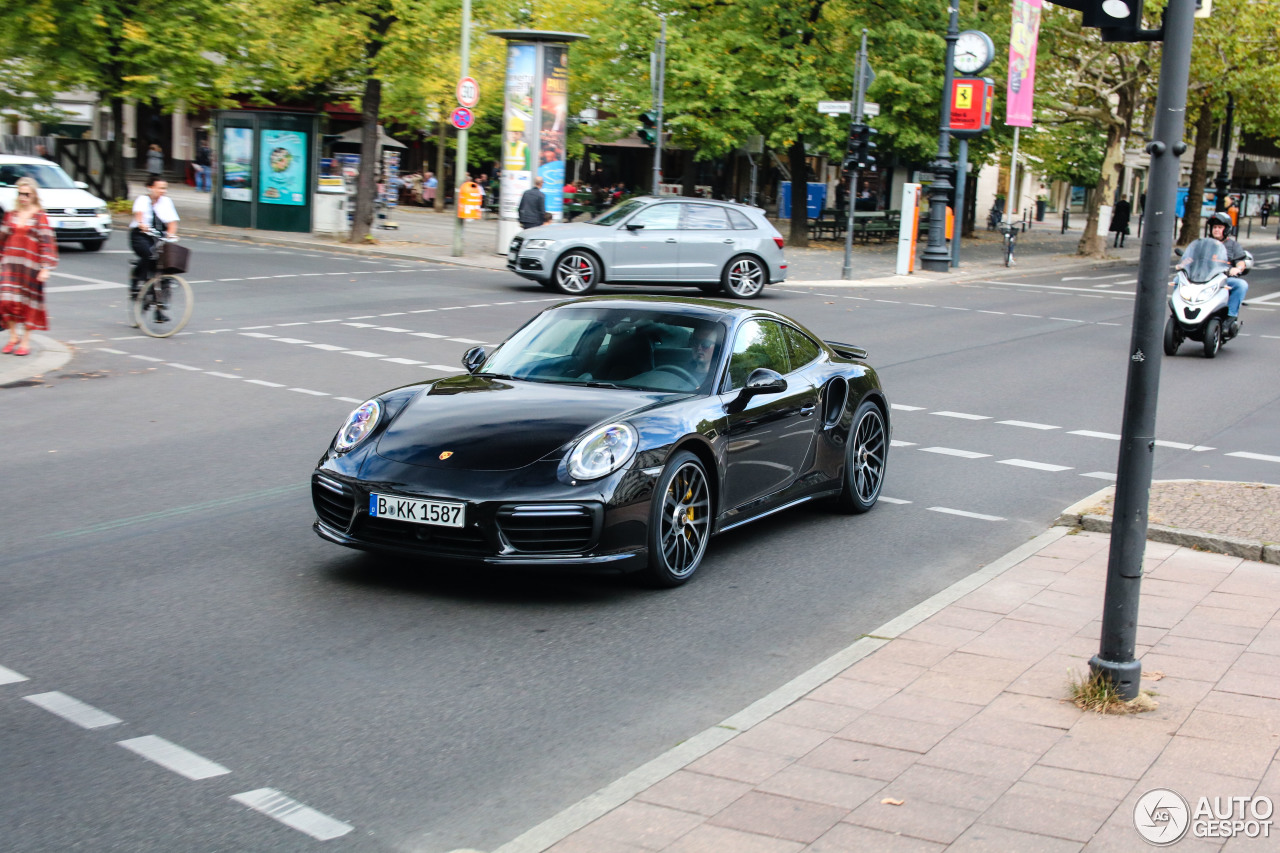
(758, 343)
(802, 348)
(740, 220)
(659, 217)
(704, 217)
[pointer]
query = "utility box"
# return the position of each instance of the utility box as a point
(332, 212)
(266, 169)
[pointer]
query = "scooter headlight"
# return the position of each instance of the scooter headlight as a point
(1195, 294)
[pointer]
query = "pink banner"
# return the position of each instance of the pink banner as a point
(1022, 62)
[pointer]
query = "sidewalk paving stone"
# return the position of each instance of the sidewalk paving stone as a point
(983, 838)
(826, 787)
(847, 836)
(917, 818)
(783, 817)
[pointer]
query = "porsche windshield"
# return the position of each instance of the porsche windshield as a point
(614, 347)
(1204, 259)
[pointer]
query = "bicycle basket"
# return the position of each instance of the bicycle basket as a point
(174, 258)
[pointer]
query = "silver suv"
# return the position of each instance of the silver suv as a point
(715, 245)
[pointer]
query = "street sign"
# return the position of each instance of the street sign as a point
(971, 100)
(461, 118)
(468, 92)
(834, 108)
(871, 109)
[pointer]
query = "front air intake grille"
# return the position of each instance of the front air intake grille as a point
(462, 541)
(549, 528)
(335, 503)
(86, 211)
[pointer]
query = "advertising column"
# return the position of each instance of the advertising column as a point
(517, 119)
(554, 115)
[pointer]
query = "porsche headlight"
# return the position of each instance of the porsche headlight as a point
(602, 451)
(538, 244)
(358, 426)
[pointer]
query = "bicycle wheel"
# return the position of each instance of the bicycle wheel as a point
(164, 306)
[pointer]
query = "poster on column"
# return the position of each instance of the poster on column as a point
(1022, 61)
(283, 167)
(237, 163)
(517, 120)
(555, 117)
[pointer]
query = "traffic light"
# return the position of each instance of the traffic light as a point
(861, 150)
(1119, 20)
(648, 131)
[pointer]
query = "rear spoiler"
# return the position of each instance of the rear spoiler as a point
(847, 350)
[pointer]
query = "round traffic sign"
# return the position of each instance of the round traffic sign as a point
(468, 92)
(462, 118)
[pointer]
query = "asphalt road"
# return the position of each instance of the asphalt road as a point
(157, 562)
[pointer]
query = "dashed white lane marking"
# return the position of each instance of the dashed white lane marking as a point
(73, 710)
(1099, 475)
(897, 443)
(256, 335)
(951, 451)
(983, 311)
(292, 341)
(1178, 445)
(890, 500)
(447, 368)
(326, 347)
(264, 383)
(389, 329)
(222, 375)
(465, 340)
(112, 351)
(318, 322)
(312, 393)
(282, 325)
(362, 317)
(291, 813)
(901, 408)
(1094, 277)
(1261, 457)
(8, 676)
(1088, 433)
(360, 325)
(170, 756)
(962, 416)
(146, 358)
(348, 399)
(426, 335)
(364, 354)
(1067, 319)
(1027, 424)
(961, 512)
(1038, 466)
(181, 366)
(402, 361)
(394, 313)
(251, 328)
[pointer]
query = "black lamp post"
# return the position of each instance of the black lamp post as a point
(936, 256)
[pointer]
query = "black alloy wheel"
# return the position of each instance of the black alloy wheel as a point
(1212, 337)
(679, 521)
(576, 273)
(1172, 337)
(744, 277)
(867, 454)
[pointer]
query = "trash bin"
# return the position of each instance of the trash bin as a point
(1041, 206)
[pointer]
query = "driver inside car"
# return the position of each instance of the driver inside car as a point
(702, 351)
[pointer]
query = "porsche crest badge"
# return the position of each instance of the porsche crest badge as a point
(446, 455)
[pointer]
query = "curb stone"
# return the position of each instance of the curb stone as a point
(50, 355)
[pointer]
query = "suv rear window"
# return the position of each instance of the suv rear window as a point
(739, 220)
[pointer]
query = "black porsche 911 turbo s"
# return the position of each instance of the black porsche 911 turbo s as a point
(614, 434)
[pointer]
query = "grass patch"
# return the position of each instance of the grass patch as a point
(1096, 693)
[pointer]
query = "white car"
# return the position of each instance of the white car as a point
(75, 214)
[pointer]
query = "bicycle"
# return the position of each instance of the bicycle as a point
(162, 306)
(1010, 231)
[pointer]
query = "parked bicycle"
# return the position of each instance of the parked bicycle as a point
(162, 305)
(1010, 232)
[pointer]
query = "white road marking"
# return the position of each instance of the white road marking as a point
(1108, 324)
(360, 325)
(889, 301)
(962, 416)
(348, 399)
(282, 325)
(447, 368)
(286, 275)
(1027, 424)
(264, 383)
(1267, 298)
(309, 391)
(1261, 457)
(364, 354)
(465, 340)
(334, 320)
(1031, 316)
(961, 512)
(93, 283)
(1178, 445)
(292, 341)
(900, 407)
(1099, 475)
(215, 331)
(402, 361)
(291, 813)
(8, 676)
(250, 328)
(1094, 277)
(181, 366)
(326, 347)
(146, 358)
(170, 756)
(393, 313)
(983, 311)
(73, 710)
(949, 451)
(1038, 466)
(896, 443)
(1088, 433)
(362, 317)
(112, 351)
(230, 279)
(423, 311)
(222, 375)
(389, 329)
(426, 335)
(921, 305)
(257, 335)
(890, 500)
(1066, 320)
(130, 338)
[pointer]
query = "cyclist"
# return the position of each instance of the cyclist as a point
(153, 215)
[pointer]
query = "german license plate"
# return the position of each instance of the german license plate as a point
(416, 511)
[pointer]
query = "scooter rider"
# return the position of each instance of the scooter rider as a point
(1220, 230)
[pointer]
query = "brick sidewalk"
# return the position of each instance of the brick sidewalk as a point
(945, 729)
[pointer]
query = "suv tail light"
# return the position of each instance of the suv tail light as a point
(779, 241)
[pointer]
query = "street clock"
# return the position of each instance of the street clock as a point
(974, 52)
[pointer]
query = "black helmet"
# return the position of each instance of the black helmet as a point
(1220, 218)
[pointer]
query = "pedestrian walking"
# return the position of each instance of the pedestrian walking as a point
(28, 252)
(1265, 212)
(533, 206)
(155, 161)
(1120, 221)
(204, 168)
(429, 189)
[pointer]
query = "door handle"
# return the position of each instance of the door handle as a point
(671, 239)
(805, 411)
(729, 240)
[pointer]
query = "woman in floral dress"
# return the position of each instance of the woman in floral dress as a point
(28, 251)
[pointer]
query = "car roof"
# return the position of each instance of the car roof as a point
(22, 158)
(716, 201)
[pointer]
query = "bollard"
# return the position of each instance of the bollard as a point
(1248, 231)
(1066, 220)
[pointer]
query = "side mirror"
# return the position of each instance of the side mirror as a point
(634, 226)
(762, 380)
(473, 358)
(81, 185)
